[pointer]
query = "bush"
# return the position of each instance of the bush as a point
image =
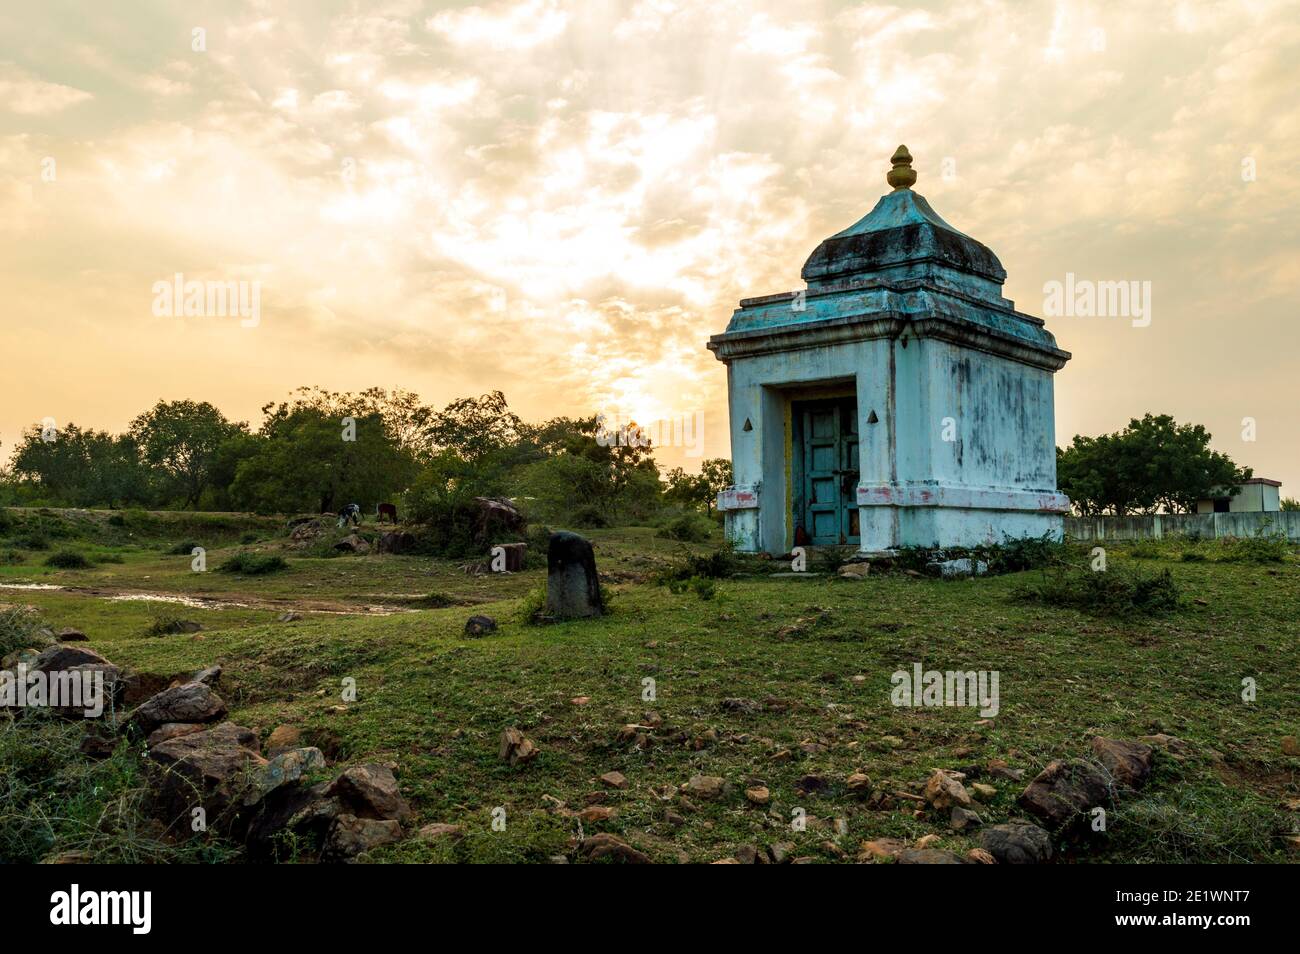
(1264, 547)
(32, 541)
(184, 548)
(688, 528)
(718, 565)
(67, 560)
(21, 627)
(253, 564)
(11, 558)
(1110, 592)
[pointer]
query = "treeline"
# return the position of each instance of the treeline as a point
(1153, 465)
(321, 450)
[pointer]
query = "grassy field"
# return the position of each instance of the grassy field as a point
(813, 652)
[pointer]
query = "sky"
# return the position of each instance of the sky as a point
(564, 200)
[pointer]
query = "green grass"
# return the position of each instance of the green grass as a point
(435, 702)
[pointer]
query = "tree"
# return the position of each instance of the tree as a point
(1290, 503)
(1154, 464)
(702, 489)
(179, 440)
(81, 468)
(320, 450)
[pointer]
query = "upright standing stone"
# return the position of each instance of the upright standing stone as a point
(572, 587)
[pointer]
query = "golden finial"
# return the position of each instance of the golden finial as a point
(902, 176)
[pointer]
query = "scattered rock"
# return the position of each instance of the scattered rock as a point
(708, 787)
(854, 571)
(371, 792)
(981, 857)
(597, 813)
(604, 845)
(350, 835)
(747, 855)
(950, 569)
(925, 841)
(96, 745)
(780, 852)
(191, 702)
(572, 584)
(1171, 745)
(962, 819)
(516, 748)
(480, 625)
(1129, 763)
(614, 779)
(859, 783)
(742, 706)
(282, 737)
(944, 791)
(1017, 843)
(983, 792)
(1064, 791)
(929, 856)
(440, 830)
(881, 849)
(758, 795)
(580, 700)
(59, 658)
(352, 543)
(1290, 745)
(70, 635)
(999, 769)
(289, 617)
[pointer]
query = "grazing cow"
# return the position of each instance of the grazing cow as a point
(352, 513)
(386, 510)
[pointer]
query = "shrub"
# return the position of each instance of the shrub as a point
(11, 557)
(1110, 592)
(34, 540)
(717, 565)
(248, 538)
(253, 564)
(1145, 550)
(67, 560)
(688, 528)
(21, 627)
(184, 548)
(1264, 547)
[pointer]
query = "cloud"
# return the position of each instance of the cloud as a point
(28, 95)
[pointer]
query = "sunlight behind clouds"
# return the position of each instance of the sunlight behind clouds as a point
(564, 199)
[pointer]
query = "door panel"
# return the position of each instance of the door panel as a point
(829, 459)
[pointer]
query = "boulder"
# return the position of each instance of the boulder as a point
(480, 625)
(190, 702)
(961, 819)
(286, 768)
(350, 835)
(1065, 791)
(58, 658)
(173, 730)
(572, 585)
(854, 571)
(1129, 763)
(497, 517)
(370, 791)
(281, 738)
(352, 543)
(213, 769)
(1017, 843)
(70, 635)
